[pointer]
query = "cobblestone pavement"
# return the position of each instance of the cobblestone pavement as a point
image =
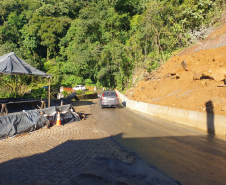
(76, 153)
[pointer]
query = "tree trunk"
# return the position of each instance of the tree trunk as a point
(47, 57)
(145, 51)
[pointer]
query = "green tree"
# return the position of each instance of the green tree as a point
(46, 32)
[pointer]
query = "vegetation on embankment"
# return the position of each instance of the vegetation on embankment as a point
(99, 42)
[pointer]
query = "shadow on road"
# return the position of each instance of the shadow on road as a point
(187, 159)
(96, 161)
(81, 103)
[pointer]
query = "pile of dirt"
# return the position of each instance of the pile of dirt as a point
(193, 80)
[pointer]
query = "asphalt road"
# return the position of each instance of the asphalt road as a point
(187, 155)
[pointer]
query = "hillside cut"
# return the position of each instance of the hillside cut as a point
(193, 80)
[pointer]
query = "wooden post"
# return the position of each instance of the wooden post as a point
(49, 94)
(4, 108)
(43, 104)
(16, 86)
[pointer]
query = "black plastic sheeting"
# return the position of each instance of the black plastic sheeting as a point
(67, 114)
(16, 123)
(31, 120)
(69, 98)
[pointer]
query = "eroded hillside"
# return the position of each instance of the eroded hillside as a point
(193, 80)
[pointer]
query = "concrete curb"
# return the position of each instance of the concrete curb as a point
(205, 121)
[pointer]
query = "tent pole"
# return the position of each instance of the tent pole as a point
(16, 86)
(49, 94)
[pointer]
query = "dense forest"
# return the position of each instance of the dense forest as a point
(100, 42)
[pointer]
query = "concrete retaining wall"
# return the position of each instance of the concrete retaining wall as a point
(212, 123)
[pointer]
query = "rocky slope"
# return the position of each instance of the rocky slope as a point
(192, 80)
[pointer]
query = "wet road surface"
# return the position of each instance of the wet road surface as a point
(183, 153)
(77, 153)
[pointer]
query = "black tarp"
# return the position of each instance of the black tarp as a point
(17, 123)
(67, 114)
(31, 120)
(69, 98)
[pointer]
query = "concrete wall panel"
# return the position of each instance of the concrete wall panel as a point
(182, 116)
(131, 104)
(151, 109)
(142, 107)
(206, 122)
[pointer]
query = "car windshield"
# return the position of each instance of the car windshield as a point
(109, 94)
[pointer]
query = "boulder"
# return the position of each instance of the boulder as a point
(166, 76)
(197, 76)
(177, 76)
(209, 82)
(184, 65)
(219, 74)
(207, 74)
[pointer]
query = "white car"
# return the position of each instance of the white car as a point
(79, 87)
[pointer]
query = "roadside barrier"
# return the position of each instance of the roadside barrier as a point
(142, 107)
(208, 122)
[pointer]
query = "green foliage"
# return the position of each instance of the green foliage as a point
(101, 42)
(8, 47)
(69, 81)
(89, 92)
(79, 92)
(11, 95)
(88, 82)
(153, 66)
(39, 93)
(3, 93)
(80, 81)
(65, 93)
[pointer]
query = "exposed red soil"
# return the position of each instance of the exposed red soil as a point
(193, 80)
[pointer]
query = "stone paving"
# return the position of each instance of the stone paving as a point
(58, 156)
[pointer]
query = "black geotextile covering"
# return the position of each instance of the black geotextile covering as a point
(67, 114)
(31, 120)
(69, 98)
(16, 123)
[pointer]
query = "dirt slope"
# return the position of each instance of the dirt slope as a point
(193, 80)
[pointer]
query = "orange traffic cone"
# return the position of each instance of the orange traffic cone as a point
(58, 122)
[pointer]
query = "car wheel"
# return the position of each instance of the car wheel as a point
(101, 106)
